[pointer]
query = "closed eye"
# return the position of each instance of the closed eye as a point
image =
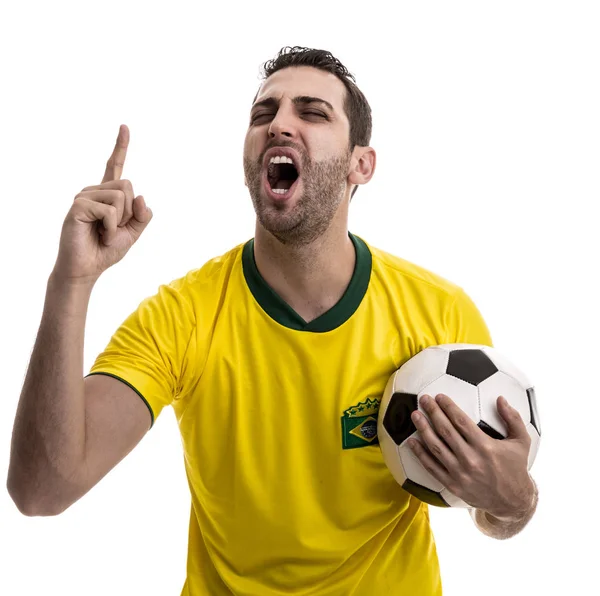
(306, 112)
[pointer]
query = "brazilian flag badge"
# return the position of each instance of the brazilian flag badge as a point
(359, 424)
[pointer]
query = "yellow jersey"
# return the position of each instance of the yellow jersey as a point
(289, 491)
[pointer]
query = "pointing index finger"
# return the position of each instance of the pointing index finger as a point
(114, 165)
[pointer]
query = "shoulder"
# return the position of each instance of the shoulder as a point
(394, 270)
(211, 275)
(437, 299)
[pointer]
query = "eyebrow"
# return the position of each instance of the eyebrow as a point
(271, 102)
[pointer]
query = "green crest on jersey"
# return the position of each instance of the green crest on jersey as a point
(359, 424)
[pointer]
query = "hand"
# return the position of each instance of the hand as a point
(486, 473)
(103, 223)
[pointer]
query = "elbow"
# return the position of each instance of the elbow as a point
(33, 508)
(29, 504)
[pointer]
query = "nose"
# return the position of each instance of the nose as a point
(283, 124)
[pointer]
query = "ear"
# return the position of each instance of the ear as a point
(364, 160)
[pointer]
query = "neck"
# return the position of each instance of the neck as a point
(310, 278)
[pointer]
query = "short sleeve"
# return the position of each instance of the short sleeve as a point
(148, 350)
(464, 322)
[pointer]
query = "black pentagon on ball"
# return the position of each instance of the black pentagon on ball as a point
(397, 421)
(424, 494)
(489, 431)
(535, 417)
(471, 366)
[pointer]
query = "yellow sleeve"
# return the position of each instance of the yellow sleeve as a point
(149, 349)
(464, 322)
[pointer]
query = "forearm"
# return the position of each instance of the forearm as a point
(503, 529)
(48, 441)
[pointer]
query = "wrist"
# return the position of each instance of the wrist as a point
(520, 511)
(67, 297)
(57, 281)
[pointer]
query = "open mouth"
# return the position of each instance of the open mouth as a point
(281, 175)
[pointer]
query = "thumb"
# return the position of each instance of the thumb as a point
(142, 215)
(515, 424)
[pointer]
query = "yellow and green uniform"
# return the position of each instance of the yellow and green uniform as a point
(290, 493)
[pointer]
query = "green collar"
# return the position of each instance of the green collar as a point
(285, 315)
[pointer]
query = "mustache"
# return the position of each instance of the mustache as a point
(289, 144)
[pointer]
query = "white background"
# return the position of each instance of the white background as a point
(486, 126)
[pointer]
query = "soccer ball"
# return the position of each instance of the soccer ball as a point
(473, 376)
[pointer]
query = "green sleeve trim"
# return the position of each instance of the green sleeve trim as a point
(128, 385)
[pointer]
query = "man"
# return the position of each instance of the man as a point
(261, 352)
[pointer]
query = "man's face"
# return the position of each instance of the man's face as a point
(300, 109)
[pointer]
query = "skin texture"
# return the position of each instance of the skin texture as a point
(490, 475)
(319, 135)
(69, 432)
(324, 185)
(301, 245)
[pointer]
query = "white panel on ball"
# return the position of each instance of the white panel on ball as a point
(508, 367)
(489, 391)
(420, 370)
(413, 469)
(535, 443)
(463, 394)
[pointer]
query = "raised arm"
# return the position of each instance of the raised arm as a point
(69, 432)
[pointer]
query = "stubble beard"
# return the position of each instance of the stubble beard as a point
(323, 187)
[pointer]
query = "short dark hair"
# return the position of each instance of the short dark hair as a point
(356, 106)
